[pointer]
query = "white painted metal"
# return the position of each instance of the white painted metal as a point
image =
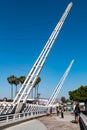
(27, 86)
(36, 69)
(31, 111)
(57, 89)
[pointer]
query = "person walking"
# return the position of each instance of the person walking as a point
(62, 113)
(51, 111)
(57, 111)
(77, 113)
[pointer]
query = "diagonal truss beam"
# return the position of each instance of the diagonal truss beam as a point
(37, 67)
(60, 84)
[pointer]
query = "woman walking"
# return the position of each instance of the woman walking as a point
(77, 113)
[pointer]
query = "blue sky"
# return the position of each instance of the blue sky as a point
(25, 26)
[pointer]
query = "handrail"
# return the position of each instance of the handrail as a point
(83, 121)
(10, 119)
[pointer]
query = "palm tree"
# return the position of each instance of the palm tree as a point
(11, 81)
(38, 80)
(16, 82)
(21, 79)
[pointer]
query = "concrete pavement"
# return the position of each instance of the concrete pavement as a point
(55, 122)
(29, 125)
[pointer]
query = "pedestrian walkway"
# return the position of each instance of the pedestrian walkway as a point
(53, 122)
(29, 125)
(57, 123)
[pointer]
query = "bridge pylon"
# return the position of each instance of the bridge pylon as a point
(59, 86)
(29, 83)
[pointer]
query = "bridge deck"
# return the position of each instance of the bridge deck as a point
(49, 123)
(57, 123)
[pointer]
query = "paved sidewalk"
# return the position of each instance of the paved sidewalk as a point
(29, 125)
(57, 123)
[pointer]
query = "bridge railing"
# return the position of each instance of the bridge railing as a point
(33, 112)
(83, 121)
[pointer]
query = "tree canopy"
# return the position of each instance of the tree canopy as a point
(63, 99)
(21, 79)
(13, 80)
(79, 94)
(38, 80)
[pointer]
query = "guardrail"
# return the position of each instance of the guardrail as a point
(83, 121)
(12, 119)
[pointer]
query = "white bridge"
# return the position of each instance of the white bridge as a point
(19, 108)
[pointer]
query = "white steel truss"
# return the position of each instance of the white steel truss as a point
(29, 83)
(57, 89)
(36, 69)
